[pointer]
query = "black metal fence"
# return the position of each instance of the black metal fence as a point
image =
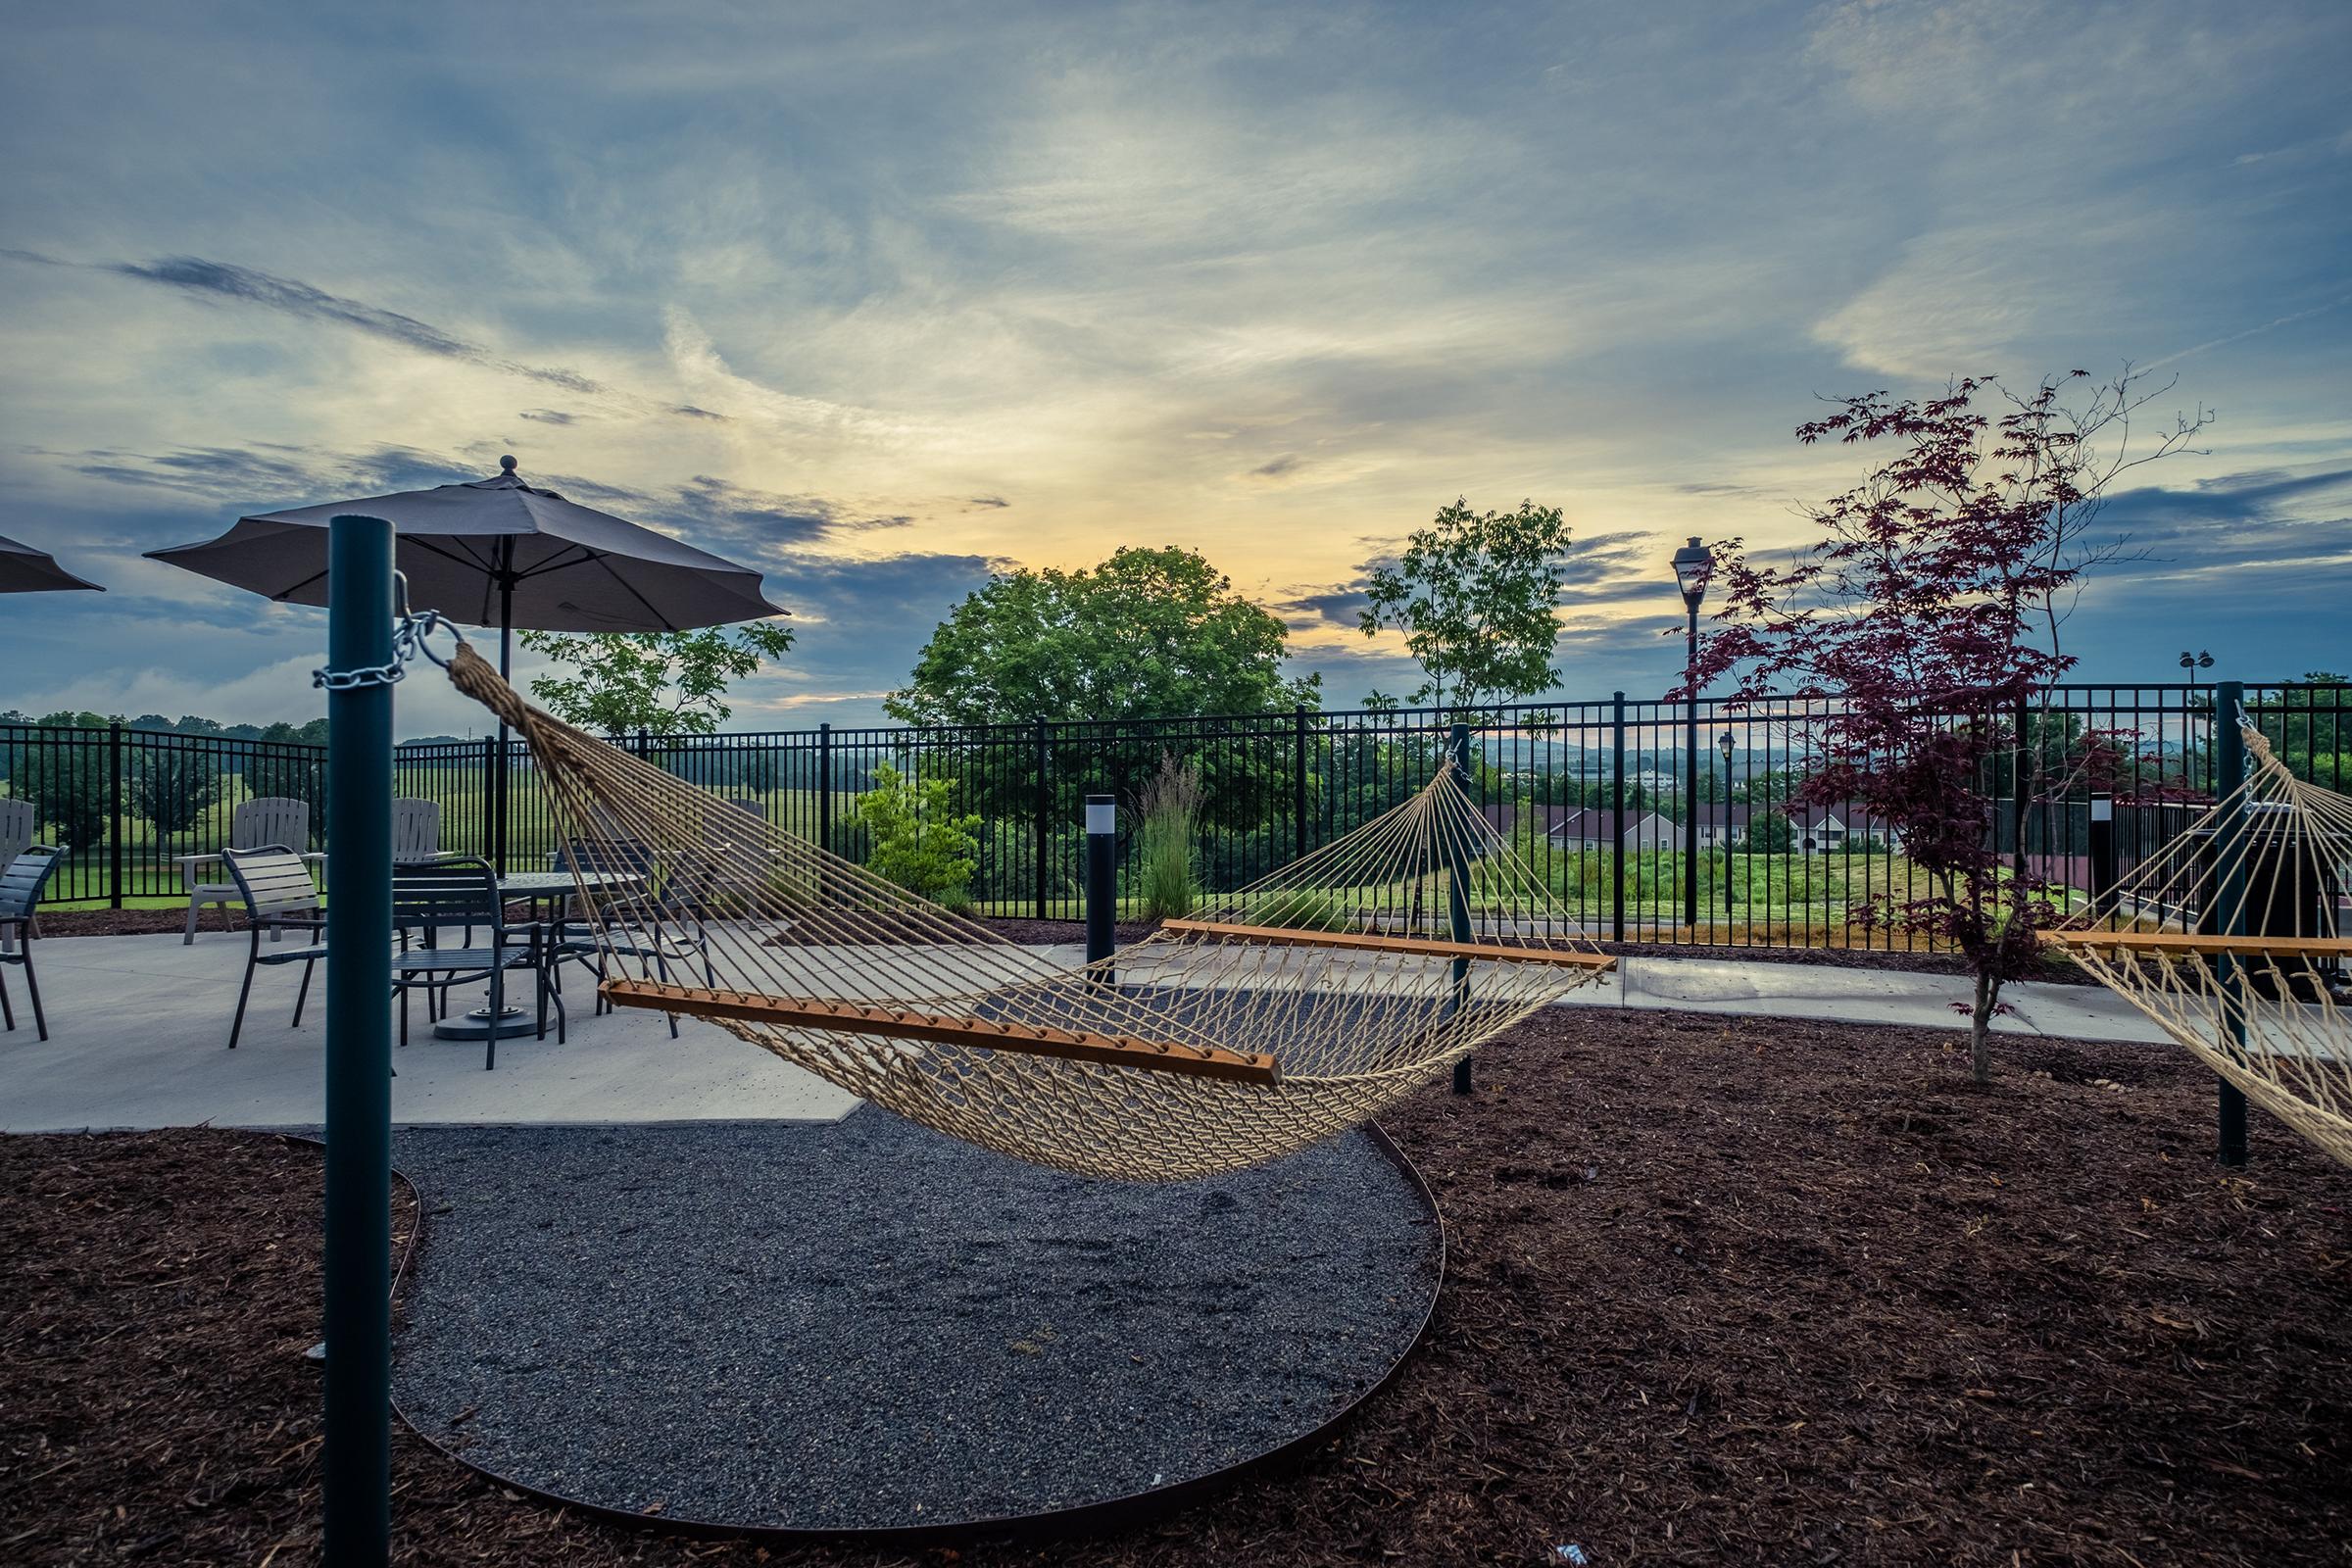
(1593, 793)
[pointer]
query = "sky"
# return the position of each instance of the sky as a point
(879, 299)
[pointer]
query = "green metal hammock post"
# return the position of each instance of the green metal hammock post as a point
(2230, 846)
(357, 1449)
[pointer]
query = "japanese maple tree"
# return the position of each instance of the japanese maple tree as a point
(1931, 604)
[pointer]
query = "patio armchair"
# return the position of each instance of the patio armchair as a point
(269, 821)
(20, 886)
(274, 885)
(460, 893)
(657, 922)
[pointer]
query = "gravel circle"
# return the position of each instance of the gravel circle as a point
(864, 1325)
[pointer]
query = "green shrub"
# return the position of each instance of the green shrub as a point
(918, 842)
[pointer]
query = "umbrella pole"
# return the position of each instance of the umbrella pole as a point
(506, 672)
(357, 1454)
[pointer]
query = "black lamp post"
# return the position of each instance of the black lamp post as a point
(1693, 566)
(1723, 743)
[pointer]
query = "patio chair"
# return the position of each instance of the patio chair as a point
(274, 885)
(28, 872)
(264, 822)
(657, 923)
(460, 893)
(415, 829)
(19, 824)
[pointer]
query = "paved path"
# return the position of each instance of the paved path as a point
(138, 1027)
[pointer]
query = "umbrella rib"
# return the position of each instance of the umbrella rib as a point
(555, 563)
(606, 562)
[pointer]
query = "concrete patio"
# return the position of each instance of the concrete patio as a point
(139, 1027)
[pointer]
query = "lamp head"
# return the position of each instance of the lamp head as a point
(1693, 568)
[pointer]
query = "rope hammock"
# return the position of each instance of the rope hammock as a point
(2263, 1011)
(1294, 1008)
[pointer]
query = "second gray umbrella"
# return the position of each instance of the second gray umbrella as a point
(26, 571)
(499, 553)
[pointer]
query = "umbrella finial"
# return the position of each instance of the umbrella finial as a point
(507, 463)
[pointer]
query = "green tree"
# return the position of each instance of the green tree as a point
(174, 789)
(1148, 634)
(1475, 595)
(1770, 833)
(67, 777)
(920, 842)
(667, 682)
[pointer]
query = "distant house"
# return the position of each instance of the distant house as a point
(1585, 827)
(1813, 829)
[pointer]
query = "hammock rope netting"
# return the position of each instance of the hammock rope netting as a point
(1289, 1011)
(2265, 1011)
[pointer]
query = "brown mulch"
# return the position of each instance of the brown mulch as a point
(1720, 1291)
(1016, 929)
(136, 922)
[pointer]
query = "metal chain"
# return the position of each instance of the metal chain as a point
(408, 634)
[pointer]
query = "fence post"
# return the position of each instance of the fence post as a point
(2017, 789)
(489, 783)
(114, 809)
(1044, 798)
(1299, 782)
(1617, 817)
(824, 788)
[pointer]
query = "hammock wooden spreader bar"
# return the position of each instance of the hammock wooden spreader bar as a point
(848, 1017)
(1363, 942)
(2196, 942)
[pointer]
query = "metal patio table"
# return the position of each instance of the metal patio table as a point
(535, 888)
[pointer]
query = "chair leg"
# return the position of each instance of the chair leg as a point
(6, 1011)
(403, 1015)
(498, 1006)
(32, 987)
(245, 992)
(189, 940)
(304, 994)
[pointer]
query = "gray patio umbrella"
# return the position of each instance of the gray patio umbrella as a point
(499, 553)
(26, 571)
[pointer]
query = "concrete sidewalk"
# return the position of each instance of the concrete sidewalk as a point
(139, 1026)
(138, 1037)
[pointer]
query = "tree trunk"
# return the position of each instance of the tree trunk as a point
(1979, 1032)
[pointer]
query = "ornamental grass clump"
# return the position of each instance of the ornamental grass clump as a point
(1169, 807)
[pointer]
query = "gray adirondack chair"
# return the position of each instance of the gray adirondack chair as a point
(18, 825)
(416, 830)
(256, 824)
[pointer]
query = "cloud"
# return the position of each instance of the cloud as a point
(248, 285)
(986, 503)
(1336, 606)
(1276, 467)
(549, 416)
(265, 475)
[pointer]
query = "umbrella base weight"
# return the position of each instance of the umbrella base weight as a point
(476, 1025)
